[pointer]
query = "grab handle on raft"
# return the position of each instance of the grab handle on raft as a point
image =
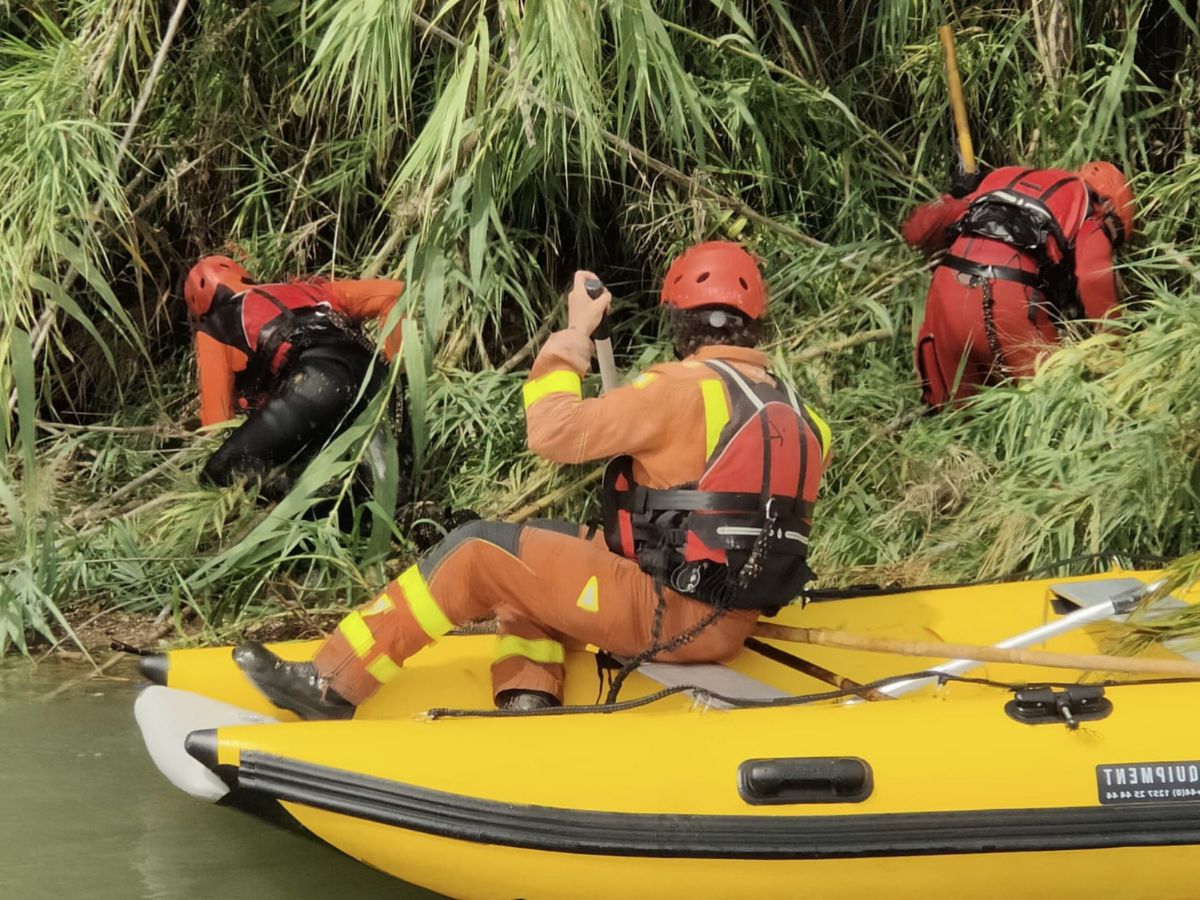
(609, 376)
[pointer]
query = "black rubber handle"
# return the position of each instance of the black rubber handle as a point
(818, 779)
(595, 289)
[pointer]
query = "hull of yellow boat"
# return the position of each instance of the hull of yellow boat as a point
(941, 791)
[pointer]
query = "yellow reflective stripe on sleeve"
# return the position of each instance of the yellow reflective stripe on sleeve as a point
(383, 669)
(824, 434)
(421, 603)
(560, 382)
(716, 413)
(355, 630)
(644, 379)
(540, 650)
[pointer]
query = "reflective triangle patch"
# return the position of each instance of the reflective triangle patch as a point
(589, 598)
(382, 604)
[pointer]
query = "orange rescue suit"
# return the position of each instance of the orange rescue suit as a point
(547, 582)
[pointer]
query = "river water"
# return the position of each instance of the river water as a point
(85, 814)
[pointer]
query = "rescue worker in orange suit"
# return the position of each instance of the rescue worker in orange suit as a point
(291, 354)
(708, 505)
(1029, 251)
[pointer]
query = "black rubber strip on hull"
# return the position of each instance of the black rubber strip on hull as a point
(718, 836)
(155, 668)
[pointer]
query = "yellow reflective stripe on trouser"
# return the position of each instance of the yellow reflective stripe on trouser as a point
(354, 628)
(421, 603)
(540, 650)
(560, 382)
(716, 413)
(383, 669)
(824, 434)
(356, 632)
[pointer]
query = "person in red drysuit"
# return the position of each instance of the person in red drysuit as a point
(1029, 249)
(707, 515)
(290, 354)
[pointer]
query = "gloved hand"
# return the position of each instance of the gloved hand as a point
(584, 313)
(964, 183)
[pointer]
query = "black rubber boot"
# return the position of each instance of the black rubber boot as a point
(294, 686)
(526, 700)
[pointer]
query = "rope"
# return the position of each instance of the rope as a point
(657, 647)
(989, 327)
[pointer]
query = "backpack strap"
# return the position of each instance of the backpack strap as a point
(736, 377)
(985, 218)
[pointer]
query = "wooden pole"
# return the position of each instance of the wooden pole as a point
(965, 148)
(941, 650)
(841, 682)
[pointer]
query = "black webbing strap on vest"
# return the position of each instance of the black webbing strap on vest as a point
(991, 272)
(291, 322)
(1025, 223)
(641, 499)
(302, 327)
(1033, 206)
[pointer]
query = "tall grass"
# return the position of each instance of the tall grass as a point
(482, 151)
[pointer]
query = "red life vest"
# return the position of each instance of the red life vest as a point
(270, 324)
(1036, 211)
(239, 320)
(737, 537)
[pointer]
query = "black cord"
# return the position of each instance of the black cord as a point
(703, 695)
(657, 647)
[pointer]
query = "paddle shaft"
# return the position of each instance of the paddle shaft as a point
(609, 376)
(963, 129)
(1122, 603)
(1084, 662)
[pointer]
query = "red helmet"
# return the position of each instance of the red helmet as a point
(209, 274)
(716, 273)
(1109, 183)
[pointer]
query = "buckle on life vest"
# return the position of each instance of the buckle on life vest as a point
(773, 508)
(686, 578)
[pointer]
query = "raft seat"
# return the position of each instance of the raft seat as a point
(712, 677)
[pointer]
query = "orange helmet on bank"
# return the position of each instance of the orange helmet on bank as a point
(1109, 183)
(206, 276)
(716, 273)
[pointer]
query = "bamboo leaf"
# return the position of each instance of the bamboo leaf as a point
(418, 390)
(481, 210)
(433, 296)
(73, 254)
(21, 360)
(64, 301)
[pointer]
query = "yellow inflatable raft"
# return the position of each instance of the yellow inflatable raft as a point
(956, 789)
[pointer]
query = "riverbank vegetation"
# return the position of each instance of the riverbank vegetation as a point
(482, 152)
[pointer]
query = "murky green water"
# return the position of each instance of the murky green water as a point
(84, 813)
